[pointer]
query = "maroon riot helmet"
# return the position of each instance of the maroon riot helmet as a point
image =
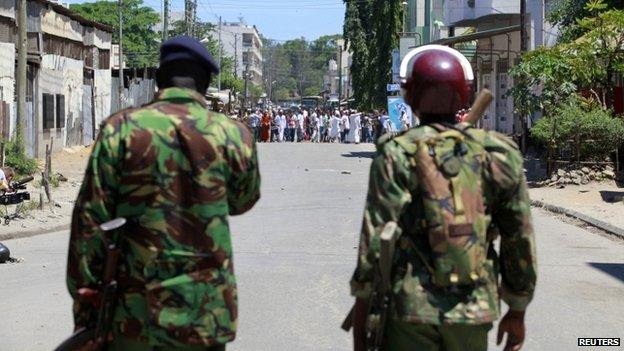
(436, 80)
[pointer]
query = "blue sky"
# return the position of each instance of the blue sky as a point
(276, 19)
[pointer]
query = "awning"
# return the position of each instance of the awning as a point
(478, 35)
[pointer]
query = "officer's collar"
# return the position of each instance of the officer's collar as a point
(181, 95)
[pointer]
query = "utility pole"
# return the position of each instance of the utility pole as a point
(21, 68)
(246, 74)
(194, 17)
(187, 16)
(339, 73)
(220, 56)
(166, 20)
(523, 32)
(523, 48)
(121, 63)
(190, 16)
(236, 55)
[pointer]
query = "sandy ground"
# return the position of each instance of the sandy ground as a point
(603, 201)
(71, 163)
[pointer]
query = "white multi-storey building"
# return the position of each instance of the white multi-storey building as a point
(243, 43)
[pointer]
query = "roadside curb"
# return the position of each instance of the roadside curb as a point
(609, 228)
(29, 233)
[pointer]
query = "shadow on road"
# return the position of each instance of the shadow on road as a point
(363, 154)
(615, 270)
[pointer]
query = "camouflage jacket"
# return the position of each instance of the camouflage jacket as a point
(175, 171)
(393, 196)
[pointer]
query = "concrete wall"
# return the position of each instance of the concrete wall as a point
(7, 8)
(60, 75)
(102, 103)
(98, 38)
(7, 78)
(60, 25)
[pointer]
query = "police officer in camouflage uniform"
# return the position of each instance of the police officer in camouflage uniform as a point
(426, 315)
(175, 171)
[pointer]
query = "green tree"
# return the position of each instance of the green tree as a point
(545, 78)
(387, 23)
(140, 41)
(357, 33)
(566, 13)
(371, 28)
(297, 67)
(598, 54)
(548, 76)
(596, 130)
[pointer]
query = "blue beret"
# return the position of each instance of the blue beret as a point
(187, 48)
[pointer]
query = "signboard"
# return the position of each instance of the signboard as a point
(407, 43)
(396, 65)
(393, 87)
(398, 110)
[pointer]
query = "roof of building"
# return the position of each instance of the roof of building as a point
(477, 35)
(76, 17)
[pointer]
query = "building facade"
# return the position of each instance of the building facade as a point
(242, 42)
(332, 79)
(68, 75)
(488, 33)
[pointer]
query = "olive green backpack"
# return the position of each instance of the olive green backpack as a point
(450, 167)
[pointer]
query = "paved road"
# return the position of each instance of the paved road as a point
(294, 255)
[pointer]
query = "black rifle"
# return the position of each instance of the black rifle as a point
(379, 303)
(97, 333)
(15, 197)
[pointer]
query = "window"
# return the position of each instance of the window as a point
(48, 111)
(104, 59)
(60, 111)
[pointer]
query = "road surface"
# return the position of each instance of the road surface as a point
(295, 252)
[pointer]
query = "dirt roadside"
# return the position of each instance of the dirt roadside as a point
(603, 201)
(71, 163)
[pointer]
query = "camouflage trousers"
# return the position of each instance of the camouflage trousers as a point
(403, 336)
(121, 343)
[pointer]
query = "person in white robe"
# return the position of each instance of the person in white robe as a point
(281, 126)
(334, 127)
(356, 128)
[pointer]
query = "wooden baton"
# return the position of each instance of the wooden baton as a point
(480, 105)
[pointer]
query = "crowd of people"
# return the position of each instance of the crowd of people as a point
(322, 125)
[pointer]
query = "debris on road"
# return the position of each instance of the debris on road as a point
(5, 253)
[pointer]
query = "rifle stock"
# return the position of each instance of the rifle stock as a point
(78, 340)
(97, 334)
(383, 287)
(380, 299)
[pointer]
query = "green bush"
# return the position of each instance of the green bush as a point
(55, 180)
(597, 129)
(16, 158)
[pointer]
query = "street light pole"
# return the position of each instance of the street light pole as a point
(165, 20)
(220, 58)
(339, 73)
(523, 49)
(21, 75)
(523, 31)
(121, 64)
(405, 10)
